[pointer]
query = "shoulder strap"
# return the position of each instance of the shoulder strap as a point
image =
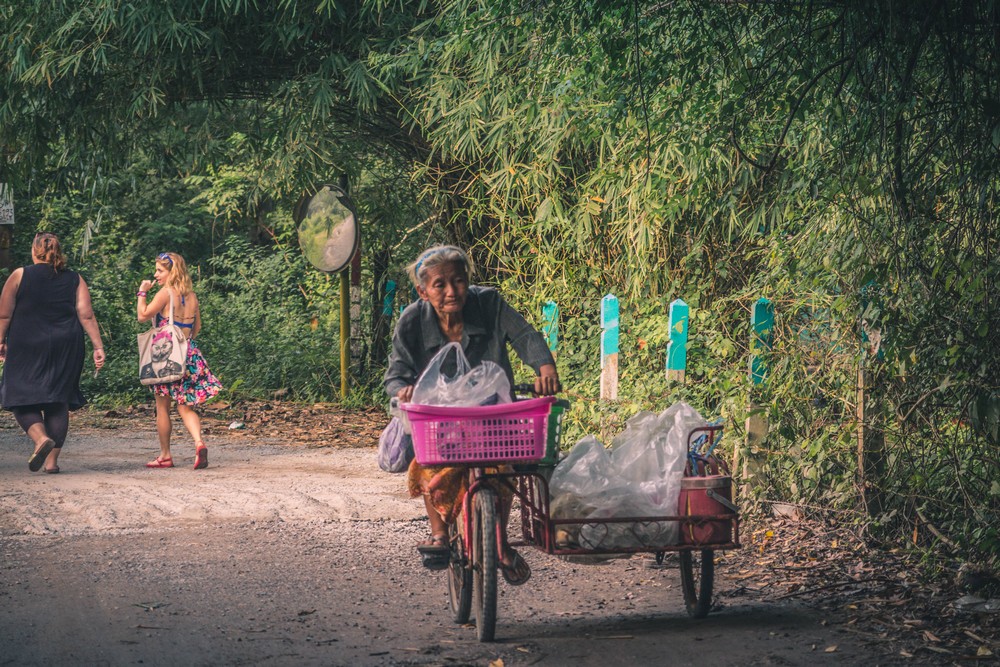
(170, 295)
(170, 319)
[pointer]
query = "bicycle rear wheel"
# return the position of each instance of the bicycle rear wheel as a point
(484, 531)
(697, 579)
(459, 575)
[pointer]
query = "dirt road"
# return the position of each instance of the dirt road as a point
(280, 554)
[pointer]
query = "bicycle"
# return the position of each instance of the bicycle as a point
(522, 434)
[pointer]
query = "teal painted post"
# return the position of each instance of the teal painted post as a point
(761, 339)
(550, 328)
(609, 347)
(390, 297)
(413, 297)
(677, 347)
(746, 458)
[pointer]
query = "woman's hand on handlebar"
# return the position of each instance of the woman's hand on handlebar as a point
(405, 394)
(547, 382)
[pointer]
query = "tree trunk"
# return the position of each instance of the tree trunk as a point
(378, 352)
(871, 442)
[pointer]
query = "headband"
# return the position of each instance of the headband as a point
(162, 334)
(430, 253)
(423, 257)
(165, 257)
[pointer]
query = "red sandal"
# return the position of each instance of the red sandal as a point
(201, 458)
(160, 462)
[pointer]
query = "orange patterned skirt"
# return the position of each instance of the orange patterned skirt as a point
(446, 487)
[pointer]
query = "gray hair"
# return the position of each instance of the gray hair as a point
(436, 256)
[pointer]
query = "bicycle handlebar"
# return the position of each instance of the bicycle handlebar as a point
(530, 389)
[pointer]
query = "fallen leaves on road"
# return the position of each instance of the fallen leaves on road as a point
(315, 425)
(876, 594)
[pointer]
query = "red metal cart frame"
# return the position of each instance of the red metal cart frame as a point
(518, 434)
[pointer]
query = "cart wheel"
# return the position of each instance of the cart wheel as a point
(697, 580)
(459, 575)
(484, 565)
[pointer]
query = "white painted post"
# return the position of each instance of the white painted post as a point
(6, 205)
(6, 225)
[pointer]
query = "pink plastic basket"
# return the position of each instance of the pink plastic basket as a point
(447, 435)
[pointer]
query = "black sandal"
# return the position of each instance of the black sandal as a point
(435, 552)
(517, 572)
(43, 451)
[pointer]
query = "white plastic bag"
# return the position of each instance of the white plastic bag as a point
(433, 385)
(486, 384)
(651, 452)
(640, 476)
(586, 471)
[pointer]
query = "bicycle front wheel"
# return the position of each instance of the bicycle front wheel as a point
(484, 566)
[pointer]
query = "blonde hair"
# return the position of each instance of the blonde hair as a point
(436, 256)
(46, 248)
(178, 277)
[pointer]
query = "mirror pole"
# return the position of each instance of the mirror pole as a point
(345, 312)
(345, 338)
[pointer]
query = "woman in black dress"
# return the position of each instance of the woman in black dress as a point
(44, 311)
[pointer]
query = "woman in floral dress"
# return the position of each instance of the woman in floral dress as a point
(172, 276)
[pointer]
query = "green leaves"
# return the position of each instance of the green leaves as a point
(710, 151)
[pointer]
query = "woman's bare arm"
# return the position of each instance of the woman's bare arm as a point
(85, 311)
(146, 311)
(197, 316)
(7, 299)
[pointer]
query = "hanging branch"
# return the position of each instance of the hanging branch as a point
(767, 168)
(639, 81)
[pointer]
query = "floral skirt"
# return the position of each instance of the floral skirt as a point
(446, 486)
(200, 384)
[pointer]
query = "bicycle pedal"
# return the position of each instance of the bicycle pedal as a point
(435, 562)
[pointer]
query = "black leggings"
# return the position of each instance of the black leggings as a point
(54, 416)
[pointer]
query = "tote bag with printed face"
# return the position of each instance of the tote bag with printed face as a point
(163, 352)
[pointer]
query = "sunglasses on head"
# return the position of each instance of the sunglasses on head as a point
(164, 257)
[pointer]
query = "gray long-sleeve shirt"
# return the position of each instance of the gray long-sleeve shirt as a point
(489, 323)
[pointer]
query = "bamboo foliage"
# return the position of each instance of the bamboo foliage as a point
(715, 152)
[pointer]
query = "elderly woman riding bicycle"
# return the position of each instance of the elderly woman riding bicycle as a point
(452, 310)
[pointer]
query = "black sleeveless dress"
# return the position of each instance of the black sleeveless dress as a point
(44, 341)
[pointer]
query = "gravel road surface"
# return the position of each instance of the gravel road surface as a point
(281, 554)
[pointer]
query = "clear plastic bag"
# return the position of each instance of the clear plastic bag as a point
(486, 384)
(650, 455)
(639, 476)
(586, 471)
